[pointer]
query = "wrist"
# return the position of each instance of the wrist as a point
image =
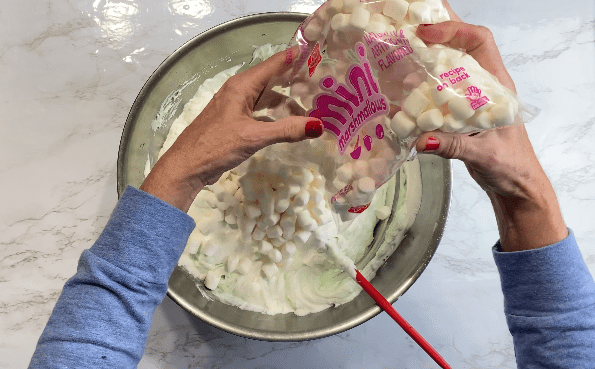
(169, 183)
(530, 221)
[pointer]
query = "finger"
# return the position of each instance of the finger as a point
(449, 146)
(451, 12)
(256, 78)
(290, 129)
(477, 41)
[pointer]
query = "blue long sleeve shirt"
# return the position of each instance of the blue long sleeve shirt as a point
(104, 313)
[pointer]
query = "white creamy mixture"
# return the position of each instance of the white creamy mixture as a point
(263, 230)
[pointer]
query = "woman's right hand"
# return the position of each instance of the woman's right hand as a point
(502, 161)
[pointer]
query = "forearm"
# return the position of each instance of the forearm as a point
(104, 313)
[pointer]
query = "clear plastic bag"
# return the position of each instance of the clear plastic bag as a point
(360, 68)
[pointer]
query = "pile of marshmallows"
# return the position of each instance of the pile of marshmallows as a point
(432, 100)
(275, 207)
(272, 204)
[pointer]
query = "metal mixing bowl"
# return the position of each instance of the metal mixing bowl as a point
(204, 56)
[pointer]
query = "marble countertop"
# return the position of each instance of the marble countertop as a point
(69, 73)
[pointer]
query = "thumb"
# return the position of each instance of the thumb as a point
(291, 129)
(447, 145)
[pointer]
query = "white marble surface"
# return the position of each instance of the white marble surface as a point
(69, 73)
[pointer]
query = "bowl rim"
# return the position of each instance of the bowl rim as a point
(362, 317)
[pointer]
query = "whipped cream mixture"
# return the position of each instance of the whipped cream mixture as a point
(266, 239)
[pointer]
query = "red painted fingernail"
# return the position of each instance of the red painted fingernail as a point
(314, 129)
(432, 144)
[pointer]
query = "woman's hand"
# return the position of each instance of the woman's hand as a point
(223, 136)
(502, 161)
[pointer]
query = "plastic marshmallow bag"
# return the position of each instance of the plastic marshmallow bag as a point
(377, 87)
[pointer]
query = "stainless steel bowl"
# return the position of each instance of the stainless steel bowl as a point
(206, 55)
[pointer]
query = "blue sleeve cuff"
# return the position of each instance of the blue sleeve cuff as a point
(544, 281)
(144, 236)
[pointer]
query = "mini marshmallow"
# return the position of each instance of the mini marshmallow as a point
(482, 120)
(339, 184)
(440, 15)
(239, 194)
(209, 248)
(340, 22)
(275, 255)
(288, 249)
(316, 195)
(460, 108)
(293, 210)
(424, 87)
(212, 225)
(302, 236)
(246, 224)
(252, 211)
(231, 218)
(420, 13)
(282, 205)
(274, 231)
(265, 247)
(380, 18)
(230, 187)
(313, 30)
(411, 81)
(211, 199)
(396, 9)
(366, 185)
(218, 190)
(417, 43)
(442, 97)
(318, 208)
(301, 177)
(212, 279)
(324, 218)
(278, 242)
(232, 263)
(270, 220)
(402, 125)
(303, 219)
(270, 269)
(376, 27)
(223, 205)
(360, 17)
(192, 247)
(430, 120)
(287, 221)
(258, 234)
(361, 168)
(261, 224)
(302, 198)
(416, 103)
(288, 232)
(503, 114)
(382, 212)
(244, 266)
(267, 201)
(451, 124)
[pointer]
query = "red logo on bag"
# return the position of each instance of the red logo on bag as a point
(314, 59)
(358, 209)
(474, 94)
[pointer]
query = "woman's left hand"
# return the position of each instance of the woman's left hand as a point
(223, 136)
